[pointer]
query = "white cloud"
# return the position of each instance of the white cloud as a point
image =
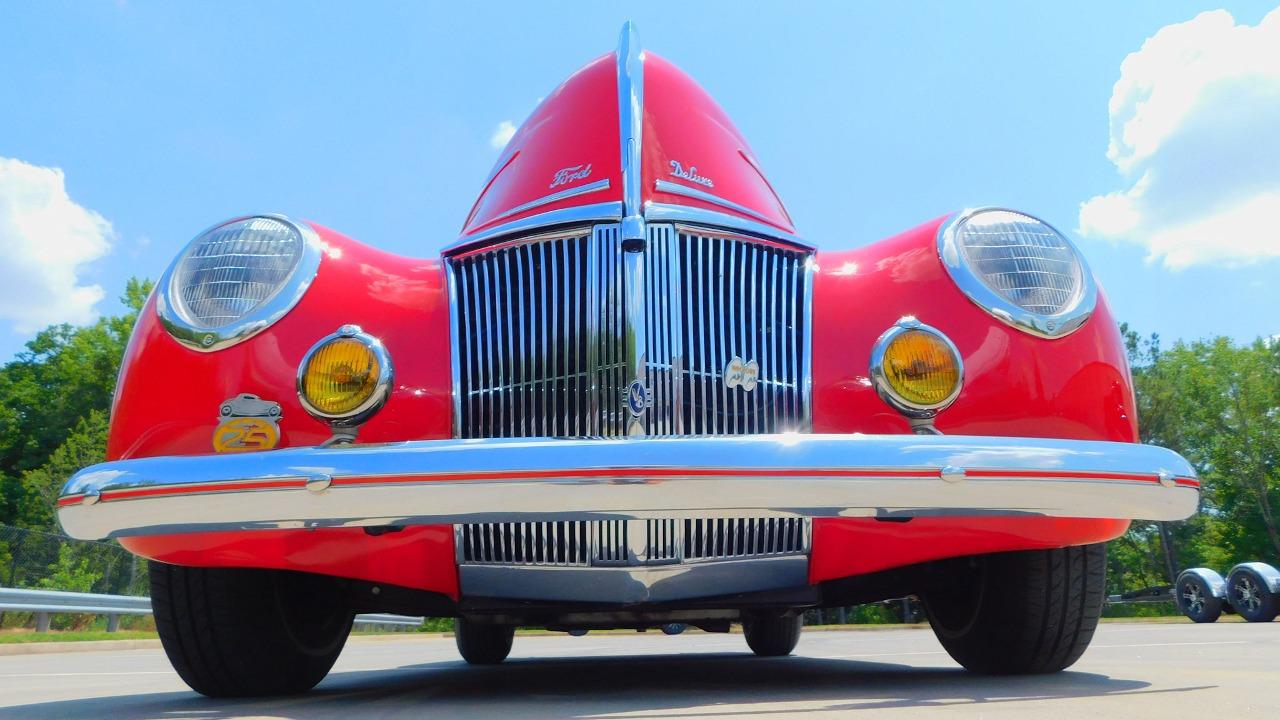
(45, 238)
(1195, 118)
(502, 134)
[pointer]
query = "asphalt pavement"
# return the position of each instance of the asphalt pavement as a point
(1132, 670)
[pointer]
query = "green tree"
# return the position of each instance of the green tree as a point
(64, 375)
(1217, 403)
(72, 571)
(86, 445)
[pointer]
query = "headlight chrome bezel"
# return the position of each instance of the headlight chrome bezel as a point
(287, 295)
(972, 284)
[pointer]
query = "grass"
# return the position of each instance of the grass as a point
(29, 636)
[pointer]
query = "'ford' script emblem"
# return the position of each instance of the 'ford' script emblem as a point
(638, 399)
(691, 174)
(741, 374)
(564, 176)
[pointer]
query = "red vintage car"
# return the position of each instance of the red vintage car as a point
(628, 395)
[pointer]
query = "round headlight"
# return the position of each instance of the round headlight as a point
(236, 279)
(916, 368)
(345, 378)
(1020, 269)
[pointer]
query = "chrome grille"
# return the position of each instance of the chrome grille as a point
(741, 300)
(653, 541)
(662, 541)
(547, 335)
(1023, 260)
(525, 543)
(726, 538)
(611, 547)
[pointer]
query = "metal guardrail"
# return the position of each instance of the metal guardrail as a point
(47, 602)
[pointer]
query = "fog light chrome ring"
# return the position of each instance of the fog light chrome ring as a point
(890, 394)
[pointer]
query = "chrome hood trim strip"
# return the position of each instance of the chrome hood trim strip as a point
(446, 481)
(631, 129)
(596, 186)
(577, 215)
(667, 186)
(665, 212)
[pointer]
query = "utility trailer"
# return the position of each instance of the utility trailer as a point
(1250, 589)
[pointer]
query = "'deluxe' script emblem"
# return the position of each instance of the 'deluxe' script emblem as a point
(690, 174)
(741, 374)
(564, 176)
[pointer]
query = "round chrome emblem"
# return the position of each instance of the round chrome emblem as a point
(637, 398)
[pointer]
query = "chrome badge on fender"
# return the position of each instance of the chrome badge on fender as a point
(247, 423)
(741, 374)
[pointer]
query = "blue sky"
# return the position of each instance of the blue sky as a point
(377, 120)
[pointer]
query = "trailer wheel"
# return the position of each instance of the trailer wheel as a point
(1249, 595)
(1021, 613)
(482, 643)
(1196, 600)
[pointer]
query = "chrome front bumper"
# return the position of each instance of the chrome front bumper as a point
(460, 481)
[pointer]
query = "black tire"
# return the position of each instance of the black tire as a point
(673, 628)
(1022, 613)
(1196, 600)
(235, 632)
(772, 635)
(1248, 594)
(481, 643)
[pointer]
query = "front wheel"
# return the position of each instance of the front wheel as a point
(482, 643)
(237, 632)
(1021, 613)
(1250, 596)
(772, 635)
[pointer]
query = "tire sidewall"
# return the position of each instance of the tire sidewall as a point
(1268, 604)
(1211, 608)
(941, 610)
(315, 639)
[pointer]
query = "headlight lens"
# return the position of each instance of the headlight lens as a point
(345, 377)
(1020, 269)
(237, 278)
(916, 368)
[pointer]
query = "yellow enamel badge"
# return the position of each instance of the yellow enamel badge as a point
(245, 435)
(247, 424)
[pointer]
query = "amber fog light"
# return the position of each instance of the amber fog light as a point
(345, 378)
(916, 369)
